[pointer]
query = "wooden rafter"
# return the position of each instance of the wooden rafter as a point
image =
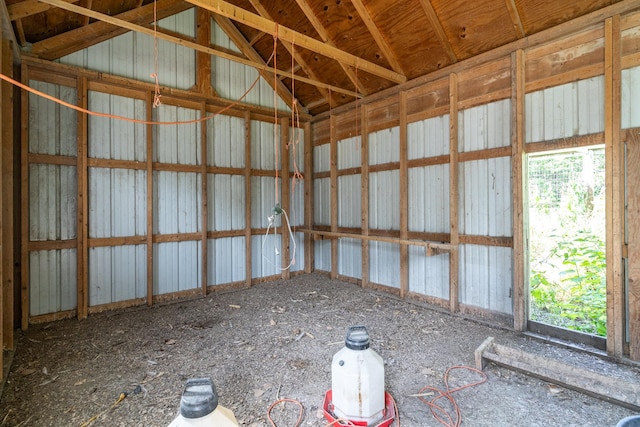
(290, 47)
(7, 33)
(182, 42)
(377, 36)
(515, 18)
(324, 36)
(267, 26)
(437, 28)
(239, 40)
(27, 8)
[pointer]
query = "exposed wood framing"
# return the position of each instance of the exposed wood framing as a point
(309, 253)
(7, 33)
(187, 43)
(203, 60)
(24, 202)
(613, 189)
(520, 288)
(286, 195)
(404, 197)
(82, 170)
(267, 26)
(205, 201)
(364, 189)
(247, 198)
(633, 198)
(149, 158)
(387, 52)
(453, 193)
(515, 18)
(437, 28)
(29, 7)
(334, 196)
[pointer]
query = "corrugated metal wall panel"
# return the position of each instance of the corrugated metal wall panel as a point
(485, 126)
(226, 207)
(384, 264)
(349, 258)
(52, 281)
(226, 260)
(117, 202)
(384, 146)
(53, 202)
(298, 256)
(176, 266)
(49, 130)
(428, 275)
(322, 158)
(225, 142)
(116, 139)
(630, 96)
(177, 198)
(485, 197)
(296, 213)
(263, 155)
(563, 111)
(322, 201)
(428, 138)
(322, 255)
(117, 274)
(349, 153)
(486, 277)
(384, 200)
(265, 256)
(429, 199)
(349, 201)
(296, 149)
(263, 200)
(179, 143)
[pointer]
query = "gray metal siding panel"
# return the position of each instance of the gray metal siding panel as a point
(350, 258)
(52, 281)
(630, 97)
(428, 275)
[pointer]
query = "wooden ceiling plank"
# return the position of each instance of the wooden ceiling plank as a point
(377, 36)
(241, 42)
(437, 28)
(265, 25)
(325, 37)
(515, 18)
(27, 8)
(89, 6)
(291, 49)
(182, 42)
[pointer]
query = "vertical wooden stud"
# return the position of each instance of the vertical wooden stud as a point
(613, 189)
(334, 197)
(83, 202)
(404, 198)
(149, 156)
(520, 288)
(205, 199)
(6, 214)
(203, 59)
(286, 196)
(364, 189)
(5, 122)
(24, 184)
(453, 192)
(633, 200)
(308, 199)
(247, 198)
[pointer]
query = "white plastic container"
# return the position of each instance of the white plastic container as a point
(199, 407)
(357, 380)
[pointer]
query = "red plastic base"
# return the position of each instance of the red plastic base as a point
(389, 413)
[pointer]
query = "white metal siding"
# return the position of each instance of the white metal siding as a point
(567, 110)
(322, 158)
(350, 258)
(226, 260)
(486, 277)
(630, 97)
(177, 143)
(384, 146)
(384, 264)
(485, 197)
(177, 199)
(176, 266)
(266, 255)
(52, 202)
(384, 200)
(322, 201)
(226, 202)
(263, 147)
(52, 127)
(485, 126)
(263, 201)
(429, 199)
(428, 275)
(349, 153)
(117, 202)
(322, 253)
(52, 281)
(117, 274)
(428, 138)
(225, 142)
(116, 139)
(349, 201)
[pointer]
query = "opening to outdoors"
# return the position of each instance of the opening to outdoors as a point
(567, 264)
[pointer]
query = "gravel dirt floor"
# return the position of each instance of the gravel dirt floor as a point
(276, 340)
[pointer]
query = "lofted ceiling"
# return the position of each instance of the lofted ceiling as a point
(336, 49)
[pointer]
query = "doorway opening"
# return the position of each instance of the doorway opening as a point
(567, 257)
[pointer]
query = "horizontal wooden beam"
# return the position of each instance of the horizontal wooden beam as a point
(186, 43)
(265, 25)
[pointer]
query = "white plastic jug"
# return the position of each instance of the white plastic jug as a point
(199, 407)
(357, 379)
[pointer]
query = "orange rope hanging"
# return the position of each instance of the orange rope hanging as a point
(276, 139)
(156, 95)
